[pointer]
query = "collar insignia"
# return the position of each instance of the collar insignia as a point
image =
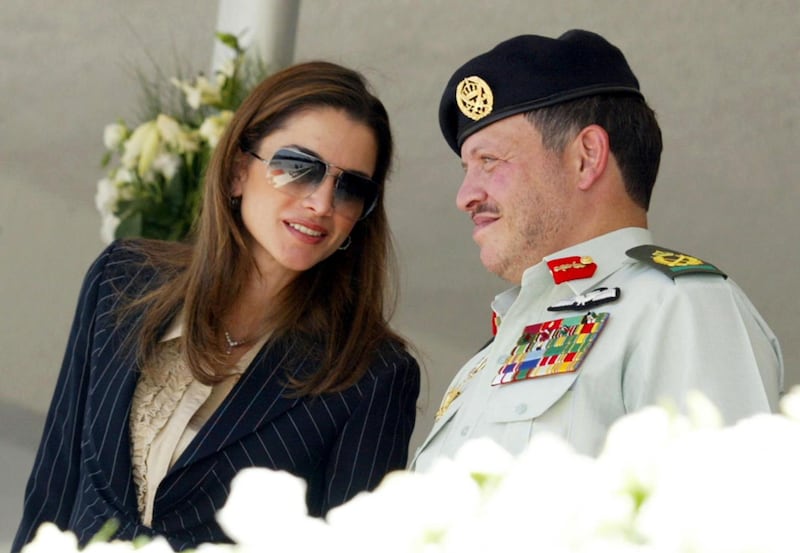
(474, 98)
(587, 300)
(575, 267)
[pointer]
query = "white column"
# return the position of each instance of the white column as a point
(265, 29)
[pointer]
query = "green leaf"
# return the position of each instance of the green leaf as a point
(130, 226)
(106, 531)
(173, 191)
(229, 40)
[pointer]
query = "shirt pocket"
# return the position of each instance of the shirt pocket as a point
(529, 399)
(540, 405)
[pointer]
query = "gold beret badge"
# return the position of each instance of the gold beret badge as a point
(474, 98)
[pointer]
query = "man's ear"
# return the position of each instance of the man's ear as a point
(593, 148)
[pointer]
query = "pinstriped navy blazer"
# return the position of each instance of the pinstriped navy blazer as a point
(340, 443)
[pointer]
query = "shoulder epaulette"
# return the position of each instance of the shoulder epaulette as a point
(672, 263)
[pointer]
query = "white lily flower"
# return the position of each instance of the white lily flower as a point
(140, 149)
(169, 129)
(175, 136)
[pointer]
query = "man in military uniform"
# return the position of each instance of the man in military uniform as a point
(560, 153)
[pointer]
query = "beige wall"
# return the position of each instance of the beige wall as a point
(723, 76)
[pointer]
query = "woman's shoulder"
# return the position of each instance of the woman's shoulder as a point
(127, 261)
(118, 258)
(123, 251)
(393, 356)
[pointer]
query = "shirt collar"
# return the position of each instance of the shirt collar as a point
(607, 251)
(174, 330)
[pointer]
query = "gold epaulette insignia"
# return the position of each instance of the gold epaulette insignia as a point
(672, 263)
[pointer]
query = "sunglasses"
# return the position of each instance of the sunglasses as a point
(300, 174)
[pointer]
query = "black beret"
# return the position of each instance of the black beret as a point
(529, 72)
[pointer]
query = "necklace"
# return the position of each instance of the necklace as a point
(231, 343)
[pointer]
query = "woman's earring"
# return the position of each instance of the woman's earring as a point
(236, 203)
(346, 243)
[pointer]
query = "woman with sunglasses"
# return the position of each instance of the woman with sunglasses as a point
(263, 342)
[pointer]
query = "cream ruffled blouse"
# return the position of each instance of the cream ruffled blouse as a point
(169, 407)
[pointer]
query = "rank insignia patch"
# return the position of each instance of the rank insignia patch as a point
(552, 347)
(575, 267)
(672, 263)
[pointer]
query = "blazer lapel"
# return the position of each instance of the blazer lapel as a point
(260, 395)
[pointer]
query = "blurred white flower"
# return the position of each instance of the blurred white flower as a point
(202, 93)
(159, 545)
(213, 126)
(108, 227)
(123, 176)
(702, 412)
(266, 509)
(407, 511)
(664, 483)
(484, 457)
(550, 497)
(790, 404)
(632, 456)
(49, 539)
(105, 200)
(727, 490)
(226, 71)
(113, 135)
(119, 546)
(217, 548)
(167, 164)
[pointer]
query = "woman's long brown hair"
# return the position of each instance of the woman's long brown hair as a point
(341, 305)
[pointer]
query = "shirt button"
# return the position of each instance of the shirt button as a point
(521, 408)
(465, 431)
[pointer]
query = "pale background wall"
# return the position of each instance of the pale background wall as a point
(723, 76)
